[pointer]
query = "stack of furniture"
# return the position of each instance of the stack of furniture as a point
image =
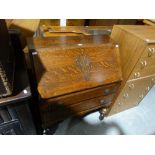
(137, 53)
(75, 75)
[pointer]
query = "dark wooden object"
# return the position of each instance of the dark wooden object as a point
(15, 114)
(75, 74)
(6, 61)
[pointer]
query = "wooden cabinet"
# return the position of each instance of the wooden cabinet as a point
(132, 93)
(75, 74)
(137, 52)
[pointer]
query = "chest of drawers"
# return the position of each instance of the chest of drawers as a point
(75, 75)
(137, 53)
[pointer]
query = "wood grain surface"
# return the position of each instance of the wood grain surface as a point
(65, 65)
(137, 53)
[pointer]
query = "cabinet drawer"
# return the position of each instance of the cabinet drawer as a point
(60, 111)
(144, 67)
(83, 105)
(133, 92)
(81, 96)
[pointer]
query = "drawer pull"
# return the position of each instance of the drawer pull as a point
(141, 96)
(120, 103)
(106, 91)
(151, 51)
(60, 103)
(153, 80)
(147, 89)
(137, 75)
(143, 63)
(126, 95)
(131, 86)
(103, 102)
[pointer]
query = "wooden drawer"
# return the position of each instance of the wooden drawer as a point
(133, 92)
(144, 67)
(57, 111)
(81, 96)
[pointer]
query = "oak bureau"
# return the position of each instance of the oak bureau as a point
(75, 75)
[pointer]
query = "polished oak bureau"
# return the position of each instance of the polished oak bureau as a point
(137, 54)
(75, 75)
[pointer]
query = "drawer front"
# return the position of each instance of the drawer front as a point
(82, 96)
(133, 92)
(58, 111)
(144, 67)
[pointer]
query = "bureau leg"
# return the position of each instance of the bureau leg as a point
(101, 117)
(102, 113)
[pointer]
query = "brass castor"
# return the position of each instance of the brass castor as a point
(102, 113)
(101, 117)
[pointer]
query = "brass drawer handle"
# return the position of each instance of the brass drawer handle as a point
(137, 75)
(120, 103)
(131, 86)
(153, 80)
(103, 102)
(126, 95)
(141, 96)
(151, 51)
(143, 63)
(147, 89)
(106, 91)
(60, 103)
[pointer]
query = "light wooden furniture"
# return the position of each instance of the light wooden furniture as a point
(111, 22)
(75, 75)
(27, 27)
(150, 22)
(56, 22)
(137, 52)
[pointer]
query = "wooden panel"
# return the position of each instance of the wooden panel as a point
(75, 22)
(39, 42)
(143, 32)
(27, 28)
(103, 22)
(60, 111)
(132, 93)
(75, 69)
(149, 22)
(69, 22)
(111, 22)
(53, 22)
(131, 49)
(68, 68)
(137, 51)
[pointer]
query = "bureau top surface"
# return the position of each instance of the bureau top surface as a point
(144, 32)
(40, 42)
(65, 65)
